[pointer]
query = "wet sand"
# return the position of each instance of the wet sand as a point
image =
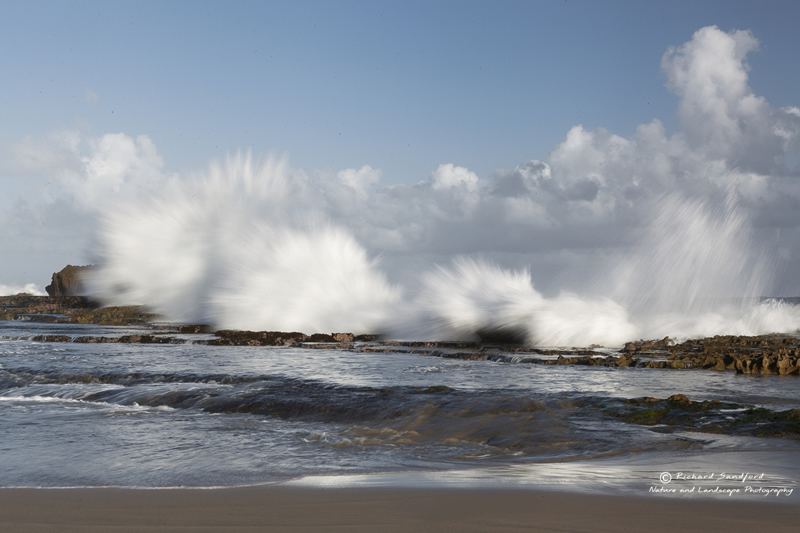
(376, 509)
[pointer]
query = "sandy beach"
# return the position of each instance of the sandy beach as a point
(381, 509)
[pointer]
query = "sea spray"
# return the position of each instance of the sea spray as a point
(474, 299)
(238, 247)
(28, 288)
(695, 271)
(470, 300)
(232, 249)
(695, 254)
(313, 279)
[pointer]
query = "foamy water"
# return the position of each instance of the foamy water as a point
(166, 415)
(236, 248)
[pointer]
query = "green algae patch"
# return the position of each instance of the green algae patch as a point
(679, 413)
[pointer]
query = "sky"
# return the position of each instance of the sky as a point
(525, 131)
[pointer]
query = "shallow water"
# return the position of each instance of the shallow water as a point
(135, 415)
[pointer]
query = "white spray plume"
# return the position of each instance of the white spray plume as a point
(229, 248)
(13, 290)
(695, 271)
(234, 246)
(475, 299)
(311, 280)
(693, 254)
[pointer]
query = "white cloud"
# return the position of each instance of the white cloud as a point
(448, 176)
(360, 180)
(116, 166)
(564, 214)
(718, 111)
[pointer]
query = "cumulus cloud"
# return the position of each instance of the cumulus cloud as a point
(563, 215)
(718, 111)
(587, 197)
(55, 186)
(360, 180)
(450, 176)
(116, 165)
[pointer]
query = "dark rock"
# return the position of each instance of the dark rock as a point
(466, 356)
(68, 281)
(69, 310)
(503, 336)
(94, 340)
(643, 345)
(435, 389)
(144, 339)
(764, 354)
(679, 398)
(195, 328)
(679, 413)
(626, 360)
(320, 337)
(230, 337)
(52, 338)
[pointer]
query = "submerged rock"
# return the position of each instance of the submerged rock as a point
(679, 413)
(195, 328)
(231, 337)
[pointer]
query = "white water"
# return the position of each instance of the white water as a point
(235, 249)
(167, 415)
(228, 249)
(28, 288)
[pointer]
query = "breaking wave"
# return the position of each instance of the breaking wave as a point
(234, 248)
(28, 288)
(229, 249)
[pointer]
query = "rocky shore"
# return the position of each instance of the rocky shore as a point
(70, 310)
(765, 354)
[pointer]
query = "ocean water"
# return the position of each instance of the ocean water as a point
(191, 415)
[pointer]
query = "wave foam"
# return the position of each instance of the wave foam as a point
(235, 248)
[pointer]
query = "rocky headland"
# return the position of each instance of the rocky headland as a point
(68, 281)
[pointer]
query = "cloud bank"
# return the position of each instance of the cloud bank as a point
(707, 212)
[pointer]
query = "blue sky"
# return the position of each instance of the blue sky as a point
(446, 102)
(401, 86)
